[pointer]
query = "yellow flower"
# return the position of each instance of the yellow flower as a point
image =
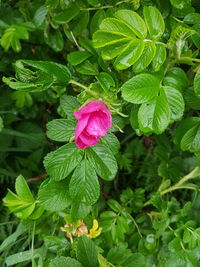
(95, 230)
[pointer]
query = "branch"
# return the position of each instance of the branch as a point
(42, 176)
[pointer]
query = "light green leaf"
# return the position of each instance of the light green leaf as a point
(103, 161)
(61, 130)
(54, 196)
(146, 57)
(134, 21)
(64, 262)
(12, 35)
(22, 203)
(23, 190)
(84, 184)
(155, 115)
(160, 57)
(175, 101)
(117, 27)
(129, 55)
(86, 252)
(154, 21)
(141, 88)
(102, 38)
(60, 163)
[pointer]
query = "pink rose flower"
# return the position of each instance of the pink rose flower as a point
(94, 119)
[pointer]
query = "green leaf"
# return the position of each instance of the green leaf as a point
(10, 240)
(176, 78)
(197, 83)
(68, 105)
(134, 21)
(86, 252)
(1, 124)
(40, 15)
(79, 210)
(155, 115)
(22, 189)
(96, 20)
(180, 4)
(22, 203)
(54, 196)
(60, 163)
(84, 184)
(24, 256)
(159, 58)
(77, 57)
(67, 14)
(141, 88)
(12, 35)
(146, 57)
(103, 161)
(64, 262)
(106, 81)
(112, 142)
(185, 126)
(192, 18)
(54, 39)
(61, 130)
(175, 101)
(191, 139)
(87, 68)
(58, 71)
(114, 205)
(154, 21)
(129, 55)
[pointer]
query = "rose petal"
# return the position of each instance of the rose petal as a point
(88, 140)
(97, 124)
(92, 106)
(81, 125)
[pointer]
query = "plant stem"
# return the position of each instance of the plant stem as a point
(189, 58)
(32, 245)
(180, 185)
(84, 87)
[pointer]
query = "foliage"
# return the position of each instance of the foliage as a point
(133, 199)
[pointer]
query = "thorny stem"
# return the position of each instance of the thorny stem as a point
(181, 184)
